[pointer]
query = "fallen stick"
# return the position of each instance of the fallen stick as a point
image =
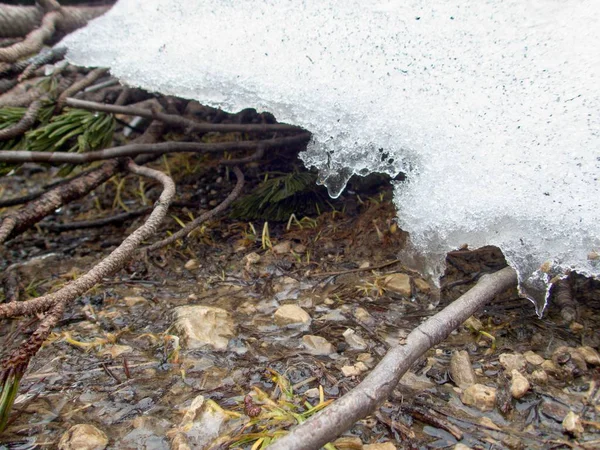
(131, 150)
(325, 426)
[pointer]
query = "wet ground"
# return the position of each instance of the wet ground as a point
(124, 362)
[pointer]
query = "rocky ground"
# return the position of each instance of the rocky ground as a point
(230, 338)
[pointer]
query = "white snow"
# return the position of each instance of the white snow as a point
(490, 108)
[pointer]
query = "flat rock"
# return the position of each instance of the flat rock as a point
(590, 355)
(362, 315)
(554, 410)
(398, 283)
(83, 437)
(291, 315)
(114, 351)
(317, 345)
(512, 361)
(354, 341)
(282, 248)
(203, 326)
(135, 300)
(350, 371)
(422, 285)
(380, 446)
(480, 396)
(533, 358)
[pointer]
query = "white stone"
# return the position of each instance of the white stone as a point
(362, 315)
(282, 248)
(539, 376)
(116, 350)
(355, 341)
(572, 424)
(192, 264)
(398, 283)
(533, 358)
(519, 385)
(199, 326)
(460, 446)
(590, 355)
(252, 258)
(317, 345)
(480, 396)
(312, 393)
(135, 300)
(291, 315)
(350, 371)
(380, 446)
(512, 361)
(422, 285)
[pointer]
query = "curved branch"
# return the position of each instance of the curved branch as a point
(17, 21)
(24, 124)
(34, 40)
(326, 425)
(178, 121)
(204, 217)
(109, 265)
(19, 156)
(20, 220)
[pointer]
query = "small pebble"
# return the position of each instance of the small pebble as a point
(519, 385)
(572, 424)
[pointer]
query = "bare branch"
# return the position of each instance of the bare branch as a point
(326, 425)
(18, 221)
(204, 217)
(109, 265)
(177, 121)
(20, 156)
(24, 124)
(88, 80)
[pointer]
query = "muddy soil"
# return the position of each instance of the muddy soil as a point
(123, 360)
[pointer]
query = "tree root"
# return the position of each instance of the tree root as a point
(326, 425)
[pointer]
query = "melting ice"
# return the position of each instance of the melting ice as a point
(490, 108)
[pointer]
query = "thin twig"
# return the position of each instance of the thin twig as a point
(359, 269)
(21, 156)
(178, 121)
(88, 80)
(204, 217)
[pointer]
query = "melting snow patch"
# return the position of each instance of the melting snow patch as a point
(490, 108)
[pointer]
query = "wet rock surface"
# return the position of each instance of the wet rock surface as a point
(83, 437)
(185, 353)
